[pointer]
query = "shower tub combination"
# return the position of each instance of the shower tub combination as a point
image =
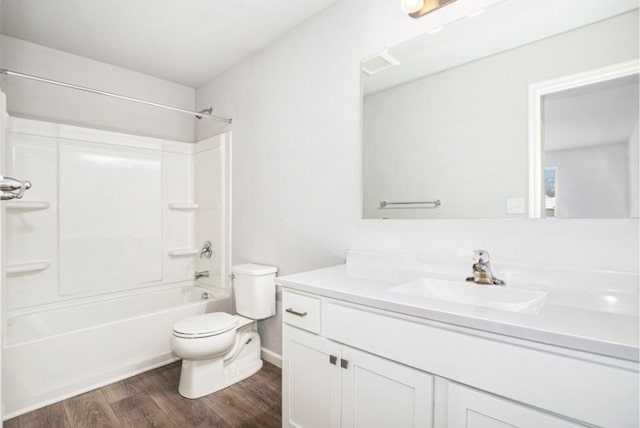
(56, 354)
(97, 271)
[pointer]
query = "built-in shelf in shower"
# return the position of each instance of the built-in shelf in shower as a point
(35, 266)
(181, 252)
(27, 205)
(183, 206)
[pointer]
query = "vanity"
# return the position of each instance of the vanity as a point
(357, 352)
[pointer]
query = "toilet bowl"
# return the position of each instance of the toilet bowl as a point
(219, 349)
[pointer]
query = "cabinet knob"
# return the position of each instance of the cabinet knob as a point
(344, 363)
(294, 312)
(333, 359)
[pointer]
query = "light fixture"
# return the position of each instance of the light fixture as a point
(419, 8)
(411, 6)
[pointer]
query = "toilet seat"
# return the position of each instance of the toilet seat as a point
(206, 325)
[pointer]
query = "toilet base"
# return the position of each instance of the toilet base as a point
(203, 377)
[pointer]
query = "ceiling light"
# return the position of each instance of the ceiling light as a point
(411, 6)
(419, 8)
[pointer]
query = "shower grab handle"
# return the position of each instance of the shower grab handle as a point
(8, 187)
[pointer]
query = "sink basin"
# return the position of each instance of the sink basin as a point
(467, 293)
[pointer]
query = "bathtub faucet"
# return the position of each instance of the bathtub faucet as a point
(203, 274)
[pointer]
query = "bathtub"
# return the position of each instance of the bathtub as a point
(55, 354)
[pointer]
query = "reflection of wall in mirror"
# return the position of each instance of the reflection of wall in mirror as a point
(462, 135)
(594, 182)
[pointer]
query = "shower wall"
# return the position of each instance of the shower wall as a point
(108, 213)
(212, 160)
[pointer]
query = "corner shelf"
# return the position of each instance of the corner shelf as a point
(182, 252)
(27, 205)
(183, 206)
(35, 266)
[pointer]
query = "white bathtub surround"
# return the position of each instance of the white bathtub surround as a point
(110, 232)
(101, 216)
(573, 360)
(212, 180)
(56, 354)
(219, 349)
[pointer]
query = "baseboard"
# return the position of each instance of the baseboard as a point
(271, 357)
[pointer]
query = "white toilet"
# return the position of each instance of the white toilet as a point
(219, 349)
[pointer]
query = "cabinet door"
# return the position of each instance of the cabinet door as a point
(380, 393)
(470, 408)
(310, 380)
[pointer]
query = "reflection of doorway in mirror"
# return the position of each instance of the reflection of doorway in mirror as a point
(550, 191)
(587, 125)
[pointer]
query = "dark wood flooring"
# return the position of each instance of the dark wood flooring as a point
(151, 399)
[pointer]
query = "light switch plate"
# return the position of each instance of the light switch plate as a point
(515, 206)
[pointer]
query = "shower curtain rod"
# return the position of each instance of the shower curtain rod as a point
(199, 115)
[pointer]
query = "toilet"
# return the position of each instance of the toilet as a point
(219, 349)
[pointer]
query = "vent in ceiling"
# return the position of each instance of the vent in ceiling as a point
(378, 63)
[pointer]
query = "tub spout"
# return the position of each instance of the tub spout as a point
(202, 274)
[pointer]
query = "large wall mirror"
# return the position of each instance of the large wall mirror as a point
(520, 111)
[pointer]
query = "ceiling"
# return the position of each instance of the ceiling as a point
(592, 115)
(187, 42)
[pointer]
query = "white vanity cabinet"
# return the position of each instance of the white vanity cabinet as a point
(327, 384)
(331, 385)
(350, 365)
(311, 380)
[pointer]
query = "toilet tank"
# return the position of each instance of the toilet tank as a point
(255, 290)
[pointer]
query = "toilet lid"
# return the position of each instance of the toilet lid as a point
(205, 325)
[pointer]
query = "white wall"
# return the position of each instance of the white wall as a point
(593, 182)
(297, 160)
(436, 137)
(51, 103)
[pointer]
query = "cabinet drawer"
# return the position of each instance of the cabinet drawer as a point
(301, 310)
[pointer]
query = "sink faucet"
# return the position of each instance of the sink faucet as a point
(202, 274)
(482, 270)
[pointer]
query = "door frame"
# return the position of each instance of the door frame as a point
(536, 147)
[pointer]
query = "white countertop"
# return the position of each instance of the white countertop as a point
(574, 319)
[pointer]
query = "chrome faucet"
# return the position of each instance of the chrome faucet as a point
(201, 274)
(482, 270)
(207, 250)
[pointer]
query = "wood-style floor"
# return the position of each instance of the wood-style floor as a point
(151, 399)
